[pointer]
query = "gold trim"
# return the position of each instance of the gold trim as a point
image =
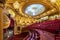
(6, 21)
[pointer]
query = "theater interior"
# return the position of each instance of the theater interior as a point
(29, 19)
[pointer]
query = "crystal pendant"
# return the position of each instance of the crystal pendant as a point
(34, 9)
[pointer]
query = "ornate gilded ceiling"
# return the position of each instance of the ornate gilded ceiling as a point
(27, 12)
